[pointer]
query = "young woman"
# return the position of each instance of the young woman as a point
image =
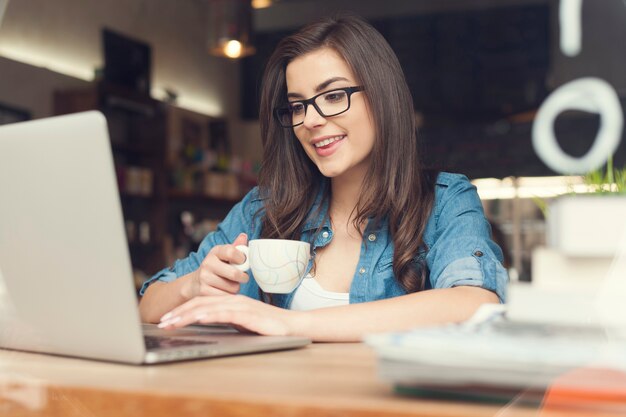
(393, 246)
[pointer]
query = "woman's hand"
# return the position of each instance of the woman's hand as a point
(237, 310)
(216, 275)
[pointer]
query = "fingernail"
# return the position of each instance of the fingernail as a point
(166, 317)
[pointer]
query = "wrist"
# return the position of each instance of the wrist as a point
(189, 282)
(300, 323)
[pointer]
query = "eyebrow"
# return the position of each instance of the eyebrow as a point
(320, 86)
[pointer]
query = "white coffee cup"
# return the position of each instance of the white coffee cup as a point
(278, 265)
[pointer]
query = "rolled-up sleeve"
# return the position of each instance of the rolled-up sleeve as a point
(463, 252)
(240, 219)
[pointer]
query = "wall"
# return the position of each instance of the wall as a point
(603, 28)
(66, 33)
(30, 88)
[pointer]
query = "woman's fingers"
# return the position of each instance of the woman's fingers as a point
(210, 281)
(229, 254)
(242, 239)
(213, 291)
(196, 302)
(224, 270)
(216, 274)
(237, 310)
(193, 309)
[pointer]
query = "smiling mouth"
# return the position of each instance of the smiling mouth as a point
(328, 141)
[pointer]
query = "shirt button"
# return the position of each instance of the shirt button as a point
(478, 253)
(325, 235)
(371, 237)
(362, 270)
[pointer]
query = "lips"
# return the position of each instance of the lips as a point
(326, 142)
(326, 146)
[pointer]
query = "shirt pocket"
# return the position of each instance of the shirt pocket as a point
(385, 264)
(386, 275)
(386, 281)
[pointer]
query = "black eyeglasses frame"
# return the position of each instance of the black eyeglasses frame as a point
(311, 101)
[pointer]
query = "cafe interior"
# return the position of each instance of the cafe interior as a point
(507, 92)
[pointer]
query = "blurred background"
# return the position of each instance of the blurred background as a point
(179, 84)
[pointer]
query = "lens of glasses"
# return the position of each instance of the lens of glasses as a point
(332, 102)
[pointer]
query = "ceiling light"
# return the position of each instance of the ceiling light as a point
(261, 4)
(230, 28)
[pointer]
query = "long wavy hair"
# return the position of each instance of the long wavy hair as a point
(395, 189)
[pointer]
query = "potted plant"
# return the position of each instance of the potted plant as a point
(590, 224)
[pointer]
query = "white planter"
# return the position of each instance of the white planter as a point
(551, 269)
(587, 225)
(571, 306)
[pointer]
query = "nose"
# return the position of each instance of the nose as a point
(312, 118)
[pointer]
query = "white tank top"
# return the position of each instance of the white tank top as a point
(310, 295)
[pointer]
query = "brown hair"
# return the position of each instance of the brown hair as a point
(396, 189)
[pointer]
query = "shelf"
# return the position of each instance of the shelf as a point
(128, 100)
(141, 132)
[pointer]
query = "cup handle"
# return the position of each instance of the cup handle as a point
(246, 265)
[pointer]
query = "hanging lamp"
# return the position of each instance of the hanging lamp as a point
(230, 28)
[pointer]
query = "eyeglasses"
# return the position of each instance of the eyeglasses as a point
(328, 104)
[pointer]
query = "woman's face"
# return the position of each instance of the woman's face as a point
(338, 145)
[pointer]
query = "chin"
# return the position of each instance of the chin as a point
(330, 172)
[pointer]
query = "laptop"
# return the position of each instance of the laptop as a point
(3, 5)
(66, 284)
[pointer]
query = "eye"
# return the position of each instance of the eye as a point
(296, 108)
(335, 96)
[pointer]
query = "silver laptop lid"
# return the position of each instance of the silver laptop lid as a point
(3, 6)
(63, 253)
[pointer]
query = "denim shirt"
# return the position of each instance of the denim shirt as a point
(457, 249)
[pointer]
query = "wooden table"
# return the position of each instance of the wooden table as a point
(319, 380)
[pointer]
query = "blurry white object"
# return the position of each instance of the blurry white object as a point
(554, 270)
(589, 94)
(580, 279)
(610, 299)
(586, 226)
(571, 26)
(567, 305)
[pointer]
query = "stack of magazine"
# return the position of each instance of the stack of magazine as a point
(490, 357)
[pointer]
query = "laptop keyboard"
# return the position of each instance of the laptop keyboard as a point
(164, 342)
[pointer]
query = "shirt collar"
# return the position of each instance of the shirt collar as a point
(318, 214)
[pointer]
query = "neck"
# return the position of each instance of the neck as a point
(346, 190)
